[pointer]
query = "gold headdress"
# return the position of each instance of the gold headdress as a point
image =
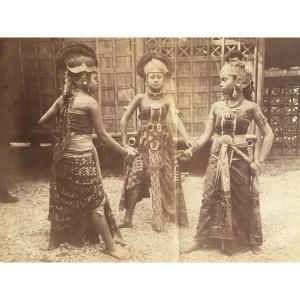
(238, 69)
(154, 62)
(77, 58)
(155, 65)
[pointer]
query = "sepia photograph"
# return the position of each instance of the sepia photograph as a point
(150, 149)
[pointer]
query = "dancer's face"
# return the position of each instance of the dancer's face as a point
(155, 81)
(227, 83)
(93, 83)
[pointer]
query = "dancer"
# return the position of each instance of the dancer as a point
(156, 166)
(79, 209)
(229, 216)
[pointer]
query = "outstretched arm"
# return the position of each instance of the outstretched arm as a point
(177, 121)
(127, 115)
(96, 117)
(208, 132)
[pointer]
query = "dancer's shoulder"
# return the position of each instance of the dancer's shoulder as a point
(139, 96)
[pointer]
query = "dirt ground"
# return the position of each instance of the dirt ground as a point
(24, 228)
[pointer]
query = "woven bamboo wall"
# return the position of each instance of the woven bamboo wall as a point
(194, 85)
(39, 88)
(116, 77)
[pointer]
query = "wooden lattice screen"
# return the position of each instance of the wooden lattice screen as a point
(42, 84)
(116, 77)
(281, 106)
(37, 60)
(195, 83)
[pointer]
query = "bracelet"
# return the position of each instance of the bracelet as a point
(190, 152)
(126, 146)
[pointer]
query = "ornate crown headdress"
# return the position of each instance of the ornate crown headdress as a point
(154, 62)
(238, 69)
(77, 58)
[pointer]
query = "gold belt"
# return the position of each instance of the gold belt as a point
(154, 126)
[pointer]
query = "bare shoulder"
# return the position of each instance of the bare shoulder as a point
(169, 100)
(138, 98)
(85, 101)
(85, 97)
(216, 105)
(250, 104)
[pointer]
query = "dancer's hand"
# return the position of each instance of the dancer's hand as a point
(131, 152)
(190, 142)
(184, 155)
(256, 165)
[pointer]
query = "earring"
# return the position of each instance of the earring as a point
(146, 87)
(234, 93)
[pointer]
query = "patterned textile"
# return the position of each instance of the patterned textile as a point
(75, 191)
(76, 188)
(230, 213)
(234, 217)
(155, 168)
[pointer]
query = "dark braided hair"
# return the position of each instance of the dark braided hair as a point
(67, 97)
(248, 91)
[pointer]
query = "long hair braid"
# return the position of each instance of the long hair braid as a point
(63, 117)
(249, 91)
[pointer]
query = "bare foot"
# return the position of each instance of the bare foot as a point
(159, 230)
(125, 224)
(194, 247)
(116, 252)
(53, 245)
(256, 249)
(119, 240)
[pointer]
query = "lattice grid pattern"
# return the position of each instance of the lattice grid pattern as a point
(281, 106)
(37, 59)
(195, 84)
(116, 77)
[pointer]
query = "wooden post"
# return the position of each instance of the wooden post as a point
(139, 82)
(24, 98)
(260, 84)
(115, 82)
(139, 52)
(260, 70)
